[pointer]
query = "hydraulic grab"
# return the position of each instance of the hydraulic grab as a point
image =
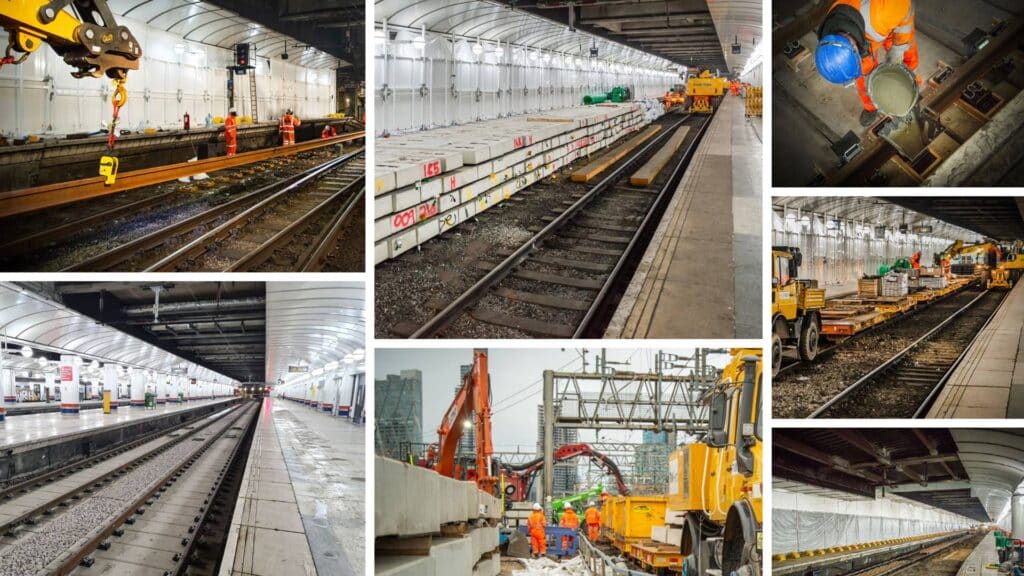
(519, 478)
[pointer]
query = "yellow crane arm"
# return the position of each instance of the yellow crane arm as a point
(93, 42)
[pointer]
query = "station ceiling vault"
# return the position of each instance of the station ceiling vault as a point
(1000, 218)
(972, 472)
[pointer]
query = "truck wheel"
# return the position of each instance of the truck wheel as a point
(776, 354)
(809, 340)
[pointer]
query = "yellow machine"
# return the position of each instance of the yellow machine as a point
(978, 260)
(1008, 271)
(704, 91)
(95, 46)
(715, 488)
(796, 307)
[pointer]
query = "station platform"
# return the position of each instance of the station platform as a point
(856, 555)
(22, 408)
(701, 275)
(301, 506)
(29, 430)
(983, 556)
(989, 382)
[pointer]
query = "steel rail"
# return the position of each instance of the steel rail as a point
(68, 565)
(201, 245)
(39, 197)
(898, 356)
(316, 260)
(908, 561)
(443, 318)
(264, 251)
(649, 221)
(65, 495)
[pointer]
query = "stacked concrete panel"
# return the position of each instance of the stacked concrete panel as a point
(412, 501)
(428, 182)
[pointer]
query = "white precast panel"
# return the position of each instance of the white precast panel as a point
(186, 49)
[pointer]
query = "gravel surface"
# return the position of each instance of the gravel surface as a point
(798, 392)
(52, 538)
(947, 562)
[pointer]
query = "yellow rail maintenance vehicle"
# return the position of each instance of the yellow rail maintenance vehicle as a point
(796, 307)
(715, 485)
(704, 91)
(1007, 272)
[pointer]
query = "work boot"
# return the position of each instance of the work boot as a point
(868, 117)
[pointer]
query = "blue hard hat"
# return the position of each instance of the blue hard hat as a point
(837, 59)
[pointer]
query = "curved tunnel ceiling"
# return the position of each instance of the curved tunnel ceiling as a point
(495, 22)
(994, 460)
(33, 319)
(213, 24)
(313, 323)
(876, 211)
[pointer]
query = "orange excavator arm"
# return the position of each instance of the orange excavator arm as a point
(473, 398)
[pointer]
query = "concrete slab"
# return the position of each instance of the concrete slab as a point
(977, 563)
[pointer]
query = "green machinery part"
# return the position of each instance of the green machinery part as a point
(899, 264)
(594, 98)
(618, 94)
(558, 504)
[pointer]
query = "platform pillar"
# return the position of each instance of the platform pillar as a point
(69, 394)
(110, 375)
(49, 385)
(7, 385)
(137, 380)
(1017, 515)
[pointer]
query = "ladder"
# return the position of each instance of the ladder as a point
(252, 94)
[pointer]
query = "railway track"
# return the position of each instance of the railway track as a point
(903, 565)
(142, 511)
(289, 225)
(564, 281)
(906, 384)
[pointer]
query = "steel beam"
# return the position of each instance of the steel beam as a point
(31, 199)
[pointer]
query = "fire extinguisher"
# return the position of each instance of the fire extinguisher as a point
(187, 121)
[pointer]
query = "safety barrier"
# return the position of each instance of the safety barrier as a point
(754, 101)
(555, 536)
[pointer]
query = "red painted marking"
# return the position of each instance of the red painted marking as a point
(66, 373)
(427, 210)
(404, 219)
(432, 169)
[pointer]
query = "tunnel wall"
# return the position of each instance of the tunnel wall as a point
(843, 252)
(40, 95)
(446, 69)
(812, 522)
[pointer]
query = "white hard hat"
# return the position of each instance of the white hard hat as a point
(591, 503)
(567, 506)
(536, 506)
(232, 111)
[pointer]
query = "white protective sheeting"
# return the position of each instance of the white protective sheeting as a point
(812, 522)
(994, 460)
(33, 320)
(439, 63)
(176, 75)
(837, 236)
(314, 324)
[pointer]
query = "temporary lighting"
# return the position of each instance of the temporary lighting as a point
(419, 42)
(467, 424)
(477, 48)
(532, 54)
(499, 51)
(26, 351)
(42, 361)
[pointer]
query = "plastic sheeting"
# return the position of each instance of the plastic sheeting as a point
(811, 522)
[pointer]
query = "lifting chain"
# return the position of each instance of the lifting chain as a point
(109, 162)
(8, 57)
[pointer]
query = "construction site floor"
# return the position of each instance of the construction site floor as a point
(701, 274)
(977, 563)
(301, 506)
(35, 428)
(989, 382)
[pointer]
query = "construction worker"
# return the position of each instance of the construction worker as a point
(536, 524)
(329, 132)
(851, 37)
(287, 126)
(593, 519)
(569, 520)
(231, 132)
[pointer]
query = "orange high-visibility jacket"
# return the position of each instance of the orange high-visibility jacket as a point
(230, 128)
(537, 522)
(885, 22)
(592, 516)
(570, 519)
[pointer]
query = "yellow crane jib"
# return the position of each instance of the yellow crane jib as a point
(89, 40)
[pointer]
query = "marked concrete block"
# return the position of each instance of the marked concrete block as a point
(403, 566)
(488, 566)
(422, 501)
(452, 556)
(485, 539)
(388, 507)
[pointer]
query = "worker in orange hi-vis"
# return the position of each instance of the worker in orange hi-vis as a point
(329, 132)
(569, 520)
(851, 37)
(231, 132)
(593, 519)
(536, 524)
(287, 126)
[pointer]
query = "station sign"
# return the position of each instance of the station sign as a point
(298, 369)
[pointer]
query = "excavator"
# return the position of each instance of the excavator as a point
(89, 39)
(960, 259)
(473, 400)
(1010, 269)
(796, 307)
(715, 491)
(519, 478)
